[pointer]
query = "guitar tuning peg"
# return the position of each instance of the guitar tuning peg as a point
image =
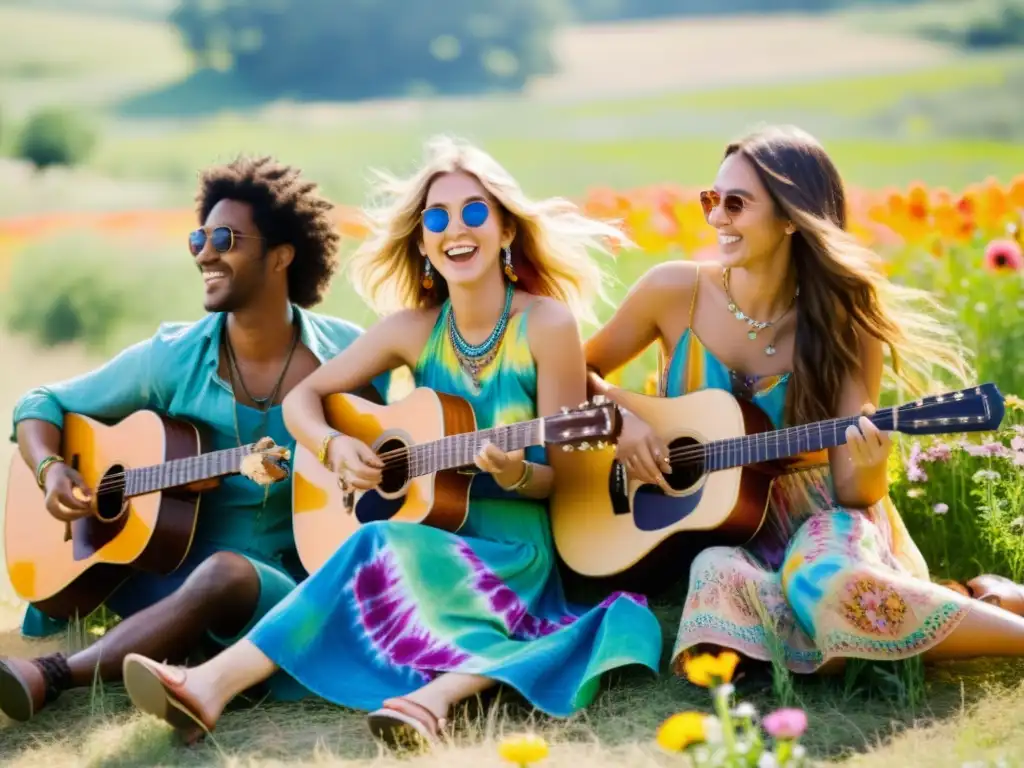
(584, 446)
(567, 448)
(599, 400)
(601, 445)
(565, 409)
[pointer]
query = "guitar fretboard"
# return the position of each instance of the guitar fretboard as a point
(459, 450)
(178, 472)
(783, 443)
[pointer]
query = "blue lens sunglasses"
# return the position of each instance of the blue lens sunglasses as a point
(474, 214)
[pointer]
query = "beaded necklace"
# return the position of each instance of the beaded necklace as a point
(473, 358)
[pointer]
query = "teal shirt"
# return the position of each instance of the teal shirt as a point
(174, 373)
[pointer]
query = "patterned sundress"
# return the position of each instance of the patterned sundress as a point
(400, 603)
(819, 581)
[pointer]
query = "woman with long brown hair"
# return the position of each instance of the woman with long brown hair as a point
(796, 317)
(482, 288)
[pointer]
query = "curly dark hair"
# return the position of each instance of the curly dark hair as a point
(286, 210)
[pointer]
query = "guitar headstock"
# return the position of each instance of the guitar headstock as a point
(975, 409)
(267, 462)
(590, 425)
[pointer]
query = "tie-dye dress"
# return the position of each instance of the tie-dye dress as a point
(400, 603)
(819, 581)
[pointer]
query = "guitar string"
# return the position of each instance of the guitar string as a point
(685, 454)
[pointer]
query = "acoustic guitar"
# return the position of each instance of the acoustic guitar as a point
(146, 473)
(617, 532)
(427, 442)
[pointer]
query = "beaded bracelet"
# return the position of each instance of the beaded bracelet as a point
(43, 466)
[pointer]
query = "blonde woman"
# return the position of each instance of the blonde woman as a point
(795, 318)
(482, 289)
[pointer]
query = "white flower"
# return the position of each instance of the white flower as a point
(712, 730)
(767, 760)
(745, 711)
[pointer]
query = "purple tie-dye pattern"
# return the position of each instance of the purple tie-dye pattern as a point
(519, 623)
(390, 625)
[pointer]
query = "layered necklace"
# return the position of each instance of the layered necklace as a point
(263, 404)
(756, 326)
(474, 358)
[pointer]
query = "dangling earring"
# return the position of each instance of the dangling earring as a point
(428, 280)
(509, 272)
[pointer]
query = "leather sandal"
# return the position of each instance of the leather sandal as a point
(159, 690)
(401, 721)
(993, 589)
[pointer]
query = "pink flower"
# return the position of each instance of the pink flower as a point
(1017, 443)
(1004, 255)
(995, 449)
(940, 508)
(786, 724)
(940, 452)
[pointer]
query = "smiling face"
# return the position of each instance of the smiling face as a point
(749, 228)
(235, 277)
(462, 230)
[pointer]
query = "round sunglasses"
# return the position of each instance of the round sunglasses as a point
(474, 214)
(221, 238)
(733, 204)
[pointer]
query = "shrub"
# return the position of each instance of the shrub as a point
(56, 136)
(82, 287)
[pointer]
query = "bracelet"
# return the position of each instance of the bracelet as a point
(524, 478)
(321, 455)
(43, 465)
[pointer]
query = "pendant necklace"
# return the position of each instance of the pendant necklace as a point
(756, 326)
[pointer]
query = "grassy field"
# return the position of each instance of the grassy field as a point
(891, 108)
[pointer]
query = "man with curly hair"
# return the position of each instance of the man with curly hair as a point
(266, 250)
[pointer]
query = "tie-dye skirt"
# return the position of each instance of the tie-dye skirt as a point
(819, 582)
(401, 603)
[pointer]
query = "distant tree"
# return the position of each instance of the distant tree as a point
(55, 136)
(363, 48)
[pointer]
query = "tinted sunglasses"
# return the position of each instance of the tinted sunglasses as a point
(221, 238)
(733, 204)
(474, 214)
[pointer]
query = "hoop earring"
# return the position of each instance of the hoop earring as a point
(427, 280)
(510, 273)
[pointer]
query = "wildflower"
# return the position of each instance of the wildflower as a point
(1004, 255)
(523, 749)
(940, 508)
(993, 449)
(711, 671)
(786, 724)
(1012, 401)
(1017, 443)
(915, 493)
(986, 475)
(681, 730)
(939, 452)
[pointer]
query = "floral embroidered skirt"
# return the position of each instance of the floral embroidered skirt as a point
(819, 582)
(400, 603)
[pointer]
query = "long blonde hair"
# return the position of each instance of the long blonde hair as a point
(550, 251)
(842, 284)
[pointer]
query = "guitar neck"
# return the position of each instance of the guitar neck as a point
(785, 443)
(459, 450)
(179, 472)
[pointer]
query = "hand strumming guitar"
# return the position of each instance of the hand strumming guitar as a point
(67, 495)
(355, 462)
(643, 453)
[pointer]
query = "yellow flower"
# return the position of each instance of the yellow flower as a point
(523, 749)
(1012, 401)
(680, 731)
(710, 671)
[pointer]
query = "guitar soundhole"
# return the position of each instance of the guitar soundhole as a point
(110, 494)
(687, 463)
(396, 465)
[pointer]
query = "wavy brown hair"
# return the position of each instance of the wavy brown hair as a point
(843, 287)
